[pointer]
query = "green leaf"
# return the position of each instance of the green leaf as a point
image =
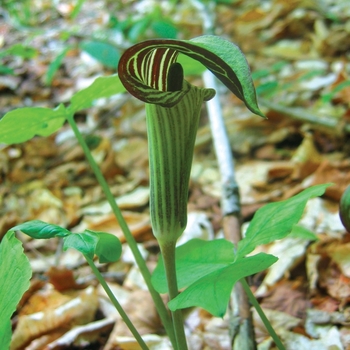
(106, 53)
(101, 88)
(6, 70)
(209, 269)
(20, 50)
(164, 29)
(326, 98)
(5, 333)
(55, 65)
(195, 259)
(23, 124)
(41, 230)
(15, 273)
(276, 220)
(84, 242)
(138, 28)
(77, 9)
(261, 73)
(105, 245)
(108, 248)
(303, 233)
(268, 88)
(92, 141)
(212, 292)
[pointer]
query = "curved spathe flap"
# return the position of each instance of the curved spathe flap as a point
(143, 68)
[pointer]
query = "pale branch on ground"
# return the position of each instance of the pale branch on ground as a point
(241, 325)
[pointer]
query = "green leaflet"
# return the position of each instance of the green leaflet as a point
(194, 260)
(84, 243)
(212, 292)
(15, 273)
(41, 230)
(55, 65)
(208, 270)
(276, 220)
(104, 52)
(102, 87)
(106, 246)
(22, 124)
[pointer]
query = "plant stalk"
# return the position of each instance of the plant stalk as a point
(168, 253)
(262, 315)
(116, 304)
(162, 311)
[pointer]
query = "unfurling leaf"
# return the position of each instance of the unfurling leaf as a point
(41, 230)
(108, 248)
(105, 245)
(276, 220)
(84, 243)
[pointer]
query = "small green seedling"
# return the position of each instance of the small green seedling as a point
(105, 246)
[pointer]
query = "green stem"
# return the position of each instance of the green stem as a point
(162, 311)
(262, 315)
(168, 253)
(116, 304)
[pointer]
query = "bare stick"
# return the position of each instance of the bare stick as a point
(241, 325)
(241, 322)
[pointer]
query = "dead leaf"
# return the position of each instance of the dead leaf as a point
(62, 278)
(79, 310)
(139, 224)
(144, 317)
(88, 333)
(280, 295)
(338, 173)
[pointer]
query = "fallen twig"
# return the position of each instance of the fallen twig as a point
(241, 326)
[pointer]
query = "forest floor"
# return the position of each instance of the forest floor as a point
(299, 55)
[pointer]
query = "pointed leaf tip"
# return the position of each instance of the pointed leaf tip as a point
(227, 62)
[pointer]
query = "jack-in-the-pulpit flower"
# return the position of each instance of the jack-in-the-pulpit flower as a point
(149, 71)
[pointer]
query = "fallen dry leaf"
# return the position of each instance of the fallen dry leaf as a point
(79, 310)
